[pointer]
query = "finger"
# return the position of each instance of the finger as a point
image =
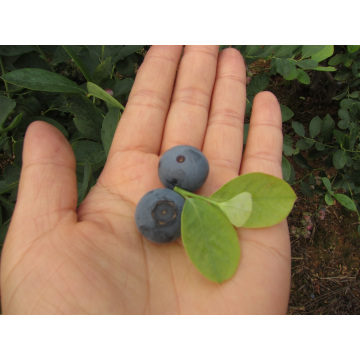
(189, 110)
(263, 150)
(266, 259)
(141, 125)
(47, 192)
(224, 136)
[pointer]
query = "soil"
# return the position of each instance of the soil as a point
(326, 262)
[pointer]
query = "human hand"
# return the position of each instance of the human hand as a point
(58, 258)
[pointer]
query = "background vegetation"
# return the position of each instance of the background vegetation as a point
(82, 90)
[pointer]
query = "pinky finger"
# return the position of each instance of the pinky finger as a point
(263, 150)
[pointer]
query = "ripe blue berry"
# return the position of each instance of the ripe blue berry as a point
(183, 166)
(158, 215)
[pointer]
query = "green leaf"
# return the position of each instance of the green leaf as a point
(78, 61)
(94, 90)
(287, 51)
(347, 104)
(337, 59)
(298, 128)
(6, 107)
(258, 83)
(320, 146)
(88, 118)
(340, 158)
(301, 161)
(288, 146)
(272, 198)
(14, 123)
(310, 50)
(317, 52)
(327, 184)
(324, 68)
(237, 209)
(42, 80)
(315, 127)
(286, 113)
(303, 77)
(328, 199)
(109, 125)
(286, 168)
(5, 187)
(340, 137)
(345, 201)
(344, 115)
(353, 48)
(327, 127)
(286, 68)
(90, 151)
(15, 50)
(210, 240)
(12, 175)
(123, 86)
(103, 70)
(307, 64)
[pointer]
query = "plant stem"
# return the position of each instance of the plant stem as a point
(188, 194)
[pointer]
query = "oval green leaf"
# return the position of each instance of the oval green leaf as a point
(210, 240)
(298, 128)
(327, 184)
(272, 198)
(42, 80)
(340, 158)
(303, 77)
(315, 127)
(328, 199)
(345, 201)
(286, 113)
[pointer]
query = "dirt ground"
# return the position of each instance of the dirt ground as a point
(326, 262)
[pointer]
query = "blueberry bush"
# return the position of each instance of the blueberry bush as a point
(81, 90)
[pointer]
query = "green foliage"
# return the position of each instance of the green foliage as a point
(272, 198)
(209, 239)
(69, 87)
(336, 140)
(253, 201)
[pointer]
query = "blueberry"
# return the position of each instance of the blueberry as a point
(158, 215)
(183, 166)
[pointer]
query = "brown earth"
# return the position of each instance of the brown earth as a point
(326, 263)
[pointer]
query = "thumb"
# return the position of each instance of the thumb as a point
(47, 192)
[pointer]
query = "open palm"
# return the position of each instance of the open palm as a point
(58, 258)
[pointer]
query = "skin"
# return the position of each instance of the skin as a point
(60, 259)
